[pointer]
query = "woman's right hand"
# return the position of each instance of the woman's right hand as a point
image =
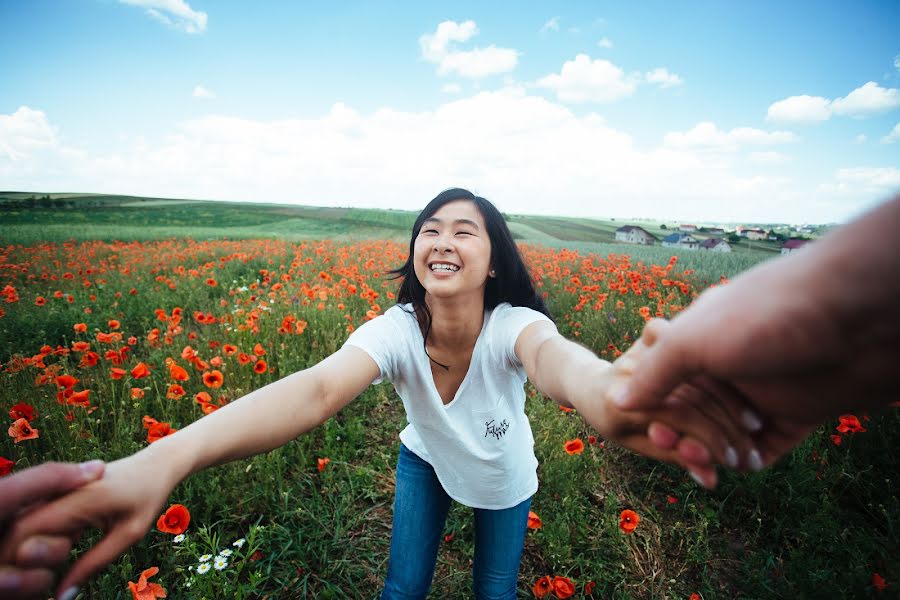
(123, 504)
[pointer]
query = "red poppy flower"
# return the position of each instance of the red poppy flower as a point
(229, 349)
(175, 392)
(178, 373)
(575, 446)
(671, 499)
(144, 590)
(260, 366)
(534, 521)
(175, 520)
(258, 350)
(543, 587)
(22, 411)
(80, 327)
(244, 358)
(114, 324)
(159, 430)
(137, 393)
(6, 466)
(148, 421)
(213, 379)
(81, 346)
(66, 381)
(117, 373)
(566, 409)
(563, 587)
(140, 370)
(589, 588)
(878, 582)
(79, 398)
(850, 424)
(40, 301)
(628, 520)
(836, 439)
(694, 596)
(322, 463)
(21, 430)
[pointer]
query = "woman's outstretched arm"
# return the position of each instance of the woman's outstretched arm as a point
(133, 490)
(574, 376)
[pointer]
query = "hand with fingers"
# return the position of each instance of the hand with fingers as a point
(123, 504)
(796, 340)
(711, 432)
(28, 572)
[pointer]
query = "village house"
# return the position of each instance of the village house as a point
(715, 231)
(684, 227)
(680, 240)
(632, 234)
(753, 233)
(715, 245)
(791, 246)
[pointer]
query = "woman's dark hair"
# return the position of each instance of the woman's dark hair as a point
(512, 282)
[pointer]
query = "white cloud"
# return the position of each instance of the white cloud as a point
(770, 158)
(551, 25)
(586, 80)
(451, 88)
(860, 139)
(525, 152)
(474, 64)
(897, 62)
(23, 133)
(869, 180)
(662, 77)
(867, 100)
(202, 92)
(706, 136)
(605, 42)
(893, 136)
(870, 99)
(800, 109)
(174, 13)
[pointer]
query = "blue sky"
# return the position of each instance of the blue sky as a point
(707, 111)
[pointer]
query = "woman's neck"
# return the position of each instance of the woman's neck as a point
(455, 325)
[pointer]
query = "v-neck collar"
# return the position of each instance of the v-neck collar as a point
(424, 358)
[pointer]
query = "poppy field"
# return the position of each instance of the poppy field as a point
(107, 346)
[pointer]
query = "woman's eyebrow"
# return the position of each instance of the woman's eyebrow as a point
(469, 222)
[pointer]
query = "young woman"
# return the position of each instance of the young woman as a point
(467, 330)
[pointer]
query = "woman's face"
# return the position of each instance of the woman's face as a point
(452, 252)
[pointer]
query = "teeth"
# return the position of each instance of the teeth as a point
(442, 267)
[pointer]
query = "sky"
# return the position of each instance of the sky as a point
(711, 111)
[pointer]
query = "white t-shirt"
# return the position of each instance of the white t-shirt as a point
(480, 444)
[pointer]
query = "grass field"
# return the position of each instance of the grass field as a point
(257, 292)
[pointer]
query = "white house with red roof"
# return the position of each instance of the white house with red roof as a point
(715, 245)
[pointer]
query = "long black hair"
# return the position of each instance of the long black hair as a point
(511, 283)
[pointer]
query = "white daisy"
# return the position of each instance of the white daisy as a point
(239, 543)
(226, 552)
(203, 568)
(178, 538)
(205, 557)
(220, 563)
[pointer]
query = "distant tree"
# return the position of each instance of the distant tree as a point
(733, 238)
(663, 226)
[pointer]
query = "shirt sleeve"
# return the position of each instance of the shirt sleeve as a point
(511, 321)
(380, 339)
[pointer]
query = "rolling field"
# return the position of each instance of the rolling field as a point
(103, 296)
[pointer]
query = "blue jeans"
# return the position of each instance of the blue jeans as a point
(420, 509)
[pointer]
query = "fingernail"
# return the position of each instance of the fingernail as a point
(750, 421)
(696, 477)
(91, 469)
(755, 461)
(731, 457)
(69, 594)
(35, 550)
(10, 580)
